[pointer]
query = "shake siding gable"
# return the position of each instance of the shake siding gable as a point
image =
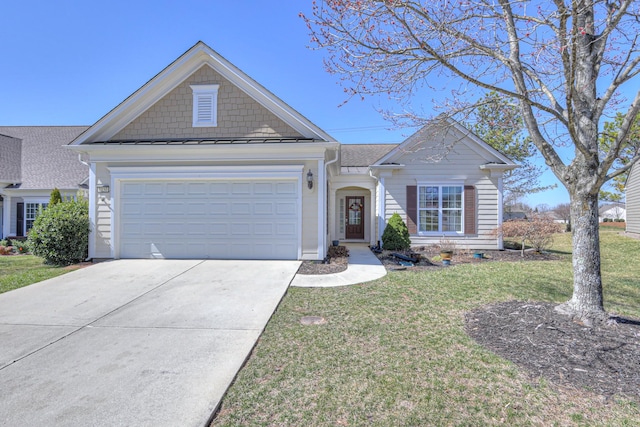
(238, 114)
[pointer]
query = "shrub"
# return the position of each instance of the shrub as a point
(20, 246)
(60, 234)
(55, 197)
(396, 235)
(537, 230)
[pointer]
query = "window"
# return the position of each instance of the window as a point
(440, 208)
(31, 211)
(205, 105)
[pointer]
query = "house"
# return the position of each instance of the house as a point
(204, 162)
(34, 161)
(632, 198)
(514, 214)
(612, 211)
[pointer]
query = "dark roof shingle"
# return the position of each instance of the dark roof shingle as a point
(46, 163)
(363, 154)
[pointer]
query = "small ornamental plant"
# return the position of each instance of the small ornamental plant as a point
(55, 197)
(396, 235)
(20, 247)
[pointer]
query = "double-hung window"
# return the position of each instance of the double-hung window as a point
(440, 208)
(31, 210)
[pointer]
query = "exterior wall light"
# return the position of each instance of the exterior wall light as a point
(310, 179)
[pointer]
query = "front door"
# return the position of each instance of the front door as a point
(354, 217)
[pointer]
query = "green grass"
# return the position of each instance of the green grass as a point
(394, 351)
(21, 270)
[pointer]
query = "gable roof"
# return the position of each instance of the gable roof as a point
(352, 155)
(10, 159)
(446, 124)
(44, 161)
(174, 74)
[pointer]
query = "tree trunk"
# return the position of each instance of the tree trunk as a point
(586, 303)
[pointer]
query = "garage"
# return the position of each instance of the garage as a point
(238, 218)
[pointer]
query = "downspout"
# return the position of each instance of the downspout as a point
(326, 174)
(82, 161)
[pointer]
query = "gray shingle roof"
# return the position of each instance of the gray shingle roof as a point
(10, 158)
(363, 154)
(45, 162)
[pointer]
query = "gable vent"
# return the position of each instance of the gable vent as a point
(205, 111)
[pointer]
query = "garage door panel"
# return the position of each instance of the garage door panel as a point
(286, 208)
(241, 188)
(264, 188)
(209, 219)
(241, 208)
(286, 188)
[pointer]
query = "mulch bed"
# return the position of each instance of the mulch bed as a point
(429, 257)
(604, 359)
(337, 260)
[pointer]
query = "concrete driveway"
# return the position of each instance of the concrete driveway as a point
(133, 342)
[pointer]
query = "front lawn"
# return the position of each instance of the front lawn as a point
(395, 351)
(17, 271)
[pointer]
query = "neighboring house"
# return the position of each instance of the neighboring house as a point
(632, 198)
(34, 161)
(509, 215)
(204, 162)
(612, 211)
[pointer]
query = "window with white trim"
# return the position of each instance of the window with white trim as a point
(205, 105)
(31, 211)
(440, 208)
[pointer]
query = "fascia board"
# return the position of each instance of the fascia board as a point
(471, 140)
(267, 99)
(498, 167)
(169, 78)
(142, 99)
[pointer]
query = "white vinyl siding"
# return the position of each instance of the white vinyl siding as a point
(633, 200)
(459, 167)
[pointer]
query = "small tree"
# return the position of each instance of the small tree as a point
(538, 231)
(55, 197)
(60, 234)
(396, 235)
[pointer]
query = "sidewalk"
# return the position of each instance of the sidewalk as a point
(363, 266)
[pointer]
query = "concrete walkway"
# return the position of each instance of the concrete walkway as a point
(133, 342)
(363, 266)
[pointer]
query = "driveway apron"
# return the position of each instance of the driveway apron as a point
(133, 342)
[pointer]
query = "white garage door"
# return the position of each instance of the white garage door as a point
(241, 219)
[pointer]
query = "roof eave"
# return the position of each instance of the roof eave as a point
(174, 74)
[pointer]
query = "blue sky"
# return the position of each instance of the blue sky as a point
(70, 62)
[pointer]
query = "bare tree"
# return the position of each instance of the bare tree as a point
(570, 64)
(563, 211)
